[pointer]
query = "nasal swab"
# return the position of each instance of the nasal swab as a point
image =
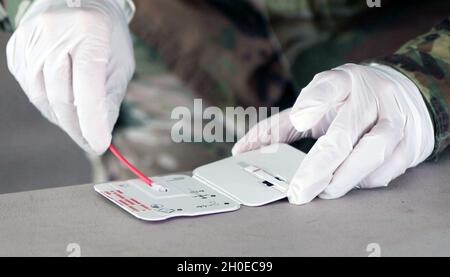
(136, 171)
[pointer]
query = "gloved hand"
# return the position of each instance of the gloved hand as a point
(74, 64)
(371, 123)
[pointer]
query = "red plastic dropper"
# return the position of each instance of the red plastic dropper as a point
(136, 171)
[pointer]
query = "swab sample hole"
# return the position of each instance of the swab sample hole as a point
(267, 183)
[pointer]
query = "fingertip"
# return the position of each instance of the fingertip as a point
(238, 148)
(296, 197)
(95, 127)
(234, 150)
(297, 121)
(305, 119)
(100, 144)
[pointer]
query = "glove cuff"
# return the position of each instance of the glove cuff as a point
(412, 97)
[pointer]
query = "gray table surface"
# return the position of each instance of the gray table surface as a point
(411, 217)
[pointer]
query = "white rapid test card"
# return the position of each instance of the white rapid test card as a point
(185, 196)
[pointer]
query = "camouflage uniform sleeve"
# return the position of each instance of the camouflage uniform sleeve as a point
(11, 11)
(426, 61)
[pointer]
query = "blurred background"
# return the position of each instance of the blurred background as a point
(35, 154)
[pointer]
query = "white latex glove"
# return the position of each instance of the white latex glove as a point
(74, 64)
(371, 122)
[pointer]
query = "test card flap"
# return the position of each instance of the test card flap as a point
(256, 177)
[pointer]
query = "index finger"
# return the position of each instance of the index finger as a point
(89, 88)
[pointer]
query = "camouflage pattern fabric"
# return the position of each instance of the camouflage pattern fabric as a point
(223, 50)
(253, 53)
(426, 61)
